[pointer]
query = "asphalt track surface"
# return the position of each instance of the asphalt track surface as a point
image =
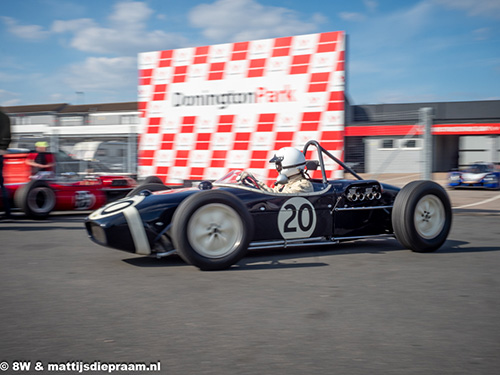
(366, 307)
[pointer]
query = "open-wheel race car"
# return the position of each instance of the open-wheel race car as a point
(213, 225)
(39, 195)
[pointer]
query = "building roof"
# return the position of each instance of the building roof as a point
(103, 107)
(68, 108)
(443, 112)
(38, 108)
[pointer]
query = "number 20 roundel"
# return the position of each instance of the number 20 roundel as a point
(296, 218)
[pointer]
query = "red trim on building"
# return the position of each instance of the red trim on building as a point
(437, 129)
(466, 129)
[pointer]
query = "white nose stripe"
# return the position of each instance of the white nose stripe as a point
(137, 230)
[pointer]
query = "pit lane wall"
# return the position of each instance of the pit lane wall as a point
(207, 110)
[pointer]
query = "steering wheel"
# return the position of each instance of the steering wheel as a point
(249, 180)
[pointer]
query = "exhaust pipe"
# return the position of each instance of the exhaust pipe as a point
(361, 194)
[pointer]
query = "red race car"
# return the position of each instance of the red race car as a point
(38, 195)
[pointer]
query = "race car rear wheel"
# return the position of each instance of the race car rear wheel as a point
(212, 230)
(36, 199)
(422, 216)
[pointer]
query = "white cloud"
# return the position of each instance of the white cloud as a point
(394, 29)
(371, 5)
(8, 98)
(28, 32)
(72, 25)
(4, 93)
(352, 16)
(131, 14)
(237, 20)
(11, 102)
(10, 77)
(410, 21)
(102, 74)
(485, 8)
(57, 97)
(386, 51)
(126, 33)
(482, 33)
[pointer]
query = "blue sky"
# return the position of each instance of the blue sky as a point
(398, 51)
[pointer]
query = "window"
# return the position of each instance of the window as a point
(400, 143)
(129, 119)
(386, 144)
(411, 144)
(71, 120)
(23, 120)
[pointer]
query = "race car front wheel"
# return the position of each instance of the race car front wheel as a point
(212, 230)
(36, 199)
(152, 186)
(422, 216)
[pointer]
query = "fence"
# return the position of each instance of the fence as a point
(104, 154)
(391, 142)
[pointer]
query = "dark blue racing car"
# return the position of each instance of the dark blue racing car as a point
(213, 225)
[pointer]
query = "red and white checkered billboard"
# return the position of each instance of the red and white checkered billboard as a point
(207, 110)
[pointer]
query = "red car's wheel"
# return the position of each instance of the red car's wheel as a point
(36, 199)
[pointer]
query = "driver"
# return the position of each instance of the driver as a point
(290, 164)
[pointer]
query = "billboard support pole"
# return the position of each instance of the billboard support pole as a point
(425, 119)
(495, 146)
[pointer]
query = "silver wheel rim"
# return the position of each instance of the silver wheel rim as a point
(41, 195)
(429, 216)
(215, 230)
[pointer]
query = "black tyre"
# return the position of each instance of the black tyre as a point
(422, 216)
(212, 230)
(147, 186)
(36, 199)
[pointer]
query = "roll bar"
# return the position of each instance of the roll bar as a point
(322, 150)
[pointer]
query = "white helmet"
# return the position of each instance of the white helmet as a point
(289, 161)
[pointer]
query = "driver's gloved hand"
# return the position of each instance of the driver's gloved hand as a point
(243, 175)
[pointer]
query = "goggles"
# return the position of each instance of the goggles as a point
(277, 160)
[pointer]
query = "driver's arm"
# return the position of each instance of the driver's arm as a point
(264, 187)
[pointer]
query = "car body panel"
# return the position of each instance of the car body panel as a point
(278, 218)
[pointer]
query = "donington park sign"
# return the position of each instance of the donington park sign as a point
(207, 110)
